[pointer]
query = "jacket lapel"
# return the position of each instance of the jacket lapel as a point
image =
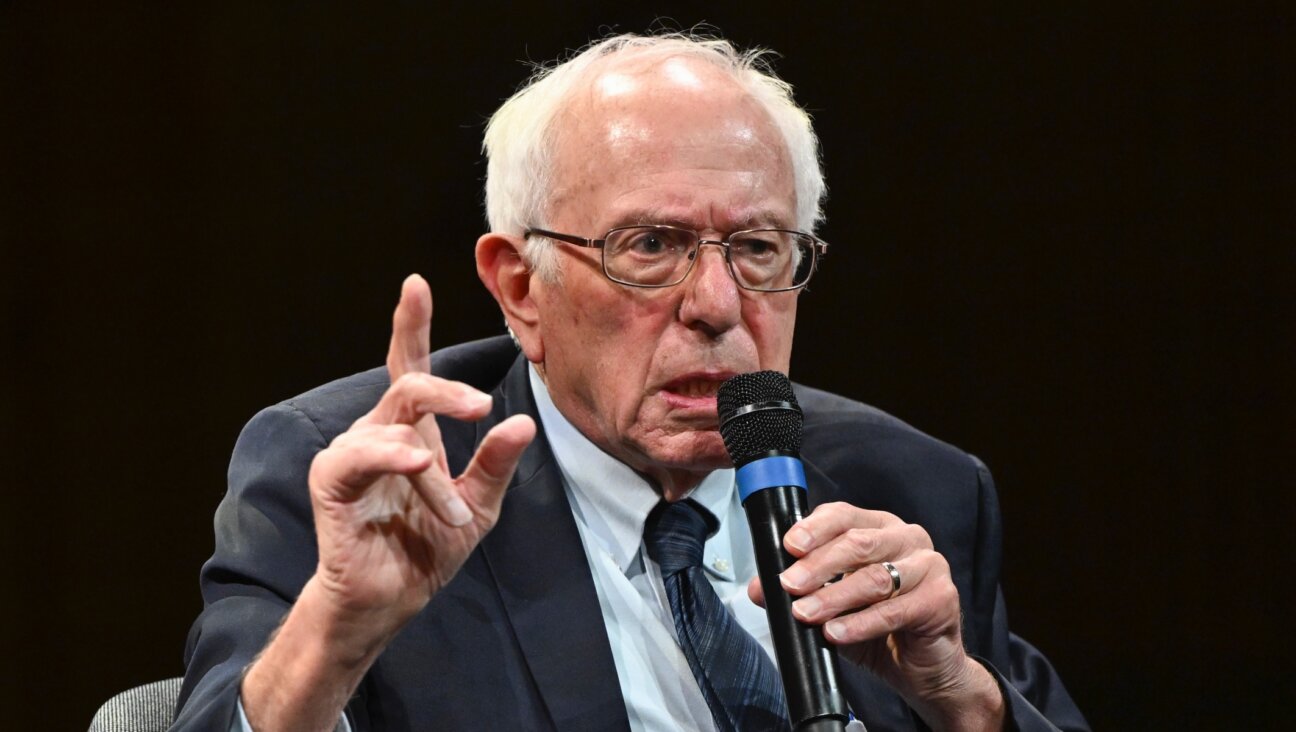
(545, 582)
(820, 489)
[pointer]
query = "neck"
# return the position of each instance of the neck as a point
(675, 484)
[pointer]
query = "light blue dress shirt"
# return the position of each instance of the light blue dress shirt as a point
(611, 502)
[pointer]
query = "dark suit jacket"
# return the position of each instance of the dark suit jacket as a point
(515, 641)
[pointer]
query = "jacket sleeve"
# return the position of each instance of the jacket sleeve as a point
(265, 552)
(1034, 695)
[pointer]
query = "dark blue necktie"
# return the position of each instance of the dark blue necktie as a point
(737, 678)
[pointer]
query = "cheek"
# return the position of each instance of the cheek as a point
(611, 340)
(772, 321)
(639, 315)
(630, 334)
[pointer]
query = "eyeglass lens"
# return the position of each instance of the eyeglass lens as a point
(765, 259)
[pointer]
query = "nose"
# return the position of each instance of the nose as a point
(711, 301)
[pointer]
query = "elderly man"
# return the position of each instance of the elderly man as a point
(465, 540)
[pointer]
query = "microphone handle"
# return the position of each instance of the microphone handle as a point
(806, 661)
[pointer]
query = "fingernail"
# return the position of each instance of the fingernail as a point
(459, 513)
(483, 399)
(797, 538)
(835, 629)
(807, 606)
(794, 576)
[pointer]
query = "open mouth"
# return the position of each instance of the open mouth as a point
(696, 388)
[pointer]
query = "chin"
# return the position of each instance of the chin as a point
(693, 451)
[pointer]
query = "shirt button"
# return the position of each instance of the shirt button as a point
(721, 565)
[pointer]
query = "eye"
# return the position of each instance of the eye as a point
(760, 245)
(653, 243)
(649, 243)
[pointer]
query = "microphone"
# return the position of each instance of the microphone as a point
(760, 422)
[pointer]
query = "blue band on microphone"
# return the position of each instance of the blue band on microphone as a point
(770, 472)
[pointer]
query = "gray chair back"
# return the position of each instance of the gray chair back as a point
(147, 708)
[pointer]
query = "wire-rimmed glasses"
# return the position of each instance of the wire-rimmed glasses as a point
(764, 260)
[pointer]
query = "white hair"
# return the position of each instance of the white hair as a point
(520, 137)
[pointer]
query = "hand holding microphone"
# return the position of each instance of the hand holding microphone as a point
(875, 584)
(761, 426)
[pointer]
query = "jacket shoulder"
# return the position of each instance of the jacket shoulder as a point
(334, 406)
(850, 439)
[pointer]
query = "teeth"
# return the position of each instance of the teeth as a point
(699, 388)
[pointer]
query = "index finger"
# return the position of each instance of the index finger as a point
(830, 520)
(411, 330)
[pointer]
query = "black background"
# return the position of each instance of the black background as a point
(1058, 242)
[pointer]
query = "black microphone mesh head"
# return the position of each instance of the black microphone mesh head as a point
(769, 427)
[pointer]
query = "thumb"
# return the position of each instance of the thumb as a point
(484, 480)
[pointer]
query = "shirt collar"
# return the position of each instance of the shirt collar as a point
(610, 498)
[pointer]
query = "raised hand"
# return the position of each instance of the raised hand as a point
(393, 527)
(393, 524)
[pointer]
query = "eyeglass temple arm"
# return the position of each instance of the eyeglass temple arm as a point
(567, 238)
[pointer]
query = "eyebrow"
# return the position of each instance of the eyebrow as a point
(766, 218)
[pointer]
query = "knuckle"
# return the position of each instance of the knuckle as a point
(318, 466)
(891, 614)
(359, 453)
(862, 542)
(342, 445)
(462, 390)
(949, 595)
(918, 535)
(937, 563)
(410, 382)
(359, 431)
(403, 433)
(943, 598)
(843, 597)
(328, 467)
(389, 451)
(489, 471)
(830, 508)
(879, 580)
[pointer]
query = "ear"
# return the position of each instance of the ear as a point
(502, 269)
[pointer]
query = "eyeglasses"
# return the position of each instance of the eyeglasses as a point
(764, 260)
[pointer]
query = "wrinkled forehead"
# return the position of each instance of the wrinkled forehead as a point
(652, 112)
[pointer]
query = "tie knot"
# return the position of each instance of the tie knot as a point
(675, 533)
